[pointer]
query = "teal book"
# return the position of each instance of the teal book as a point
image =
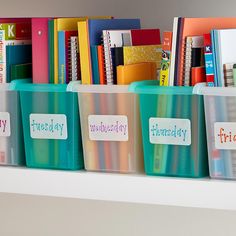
(51, 50)
(17, 54)
(21, 71)
(95, 68)
(61, 57)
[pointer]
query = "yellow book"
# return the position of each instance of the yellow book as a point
(146, 53)
(84, 51)
(62, 24)
(136, 72)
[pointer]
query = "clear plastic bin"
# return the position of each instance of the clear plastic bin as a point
(111, 131)
(51, 126)
(220, 110)
(11, 131)
(173, 130)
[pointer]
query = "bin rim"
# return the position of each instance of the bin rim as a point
(152, 87)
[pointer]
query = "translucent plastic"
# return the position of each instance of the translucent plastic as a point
(51, 152)
(220, 110)
(11, 132)
(109, 106)
(171, 105)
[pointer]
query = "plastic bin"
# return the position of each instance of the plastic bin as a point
(173, 130)
(111, 131)
(220, 110)
(51, 126)
(11, 131)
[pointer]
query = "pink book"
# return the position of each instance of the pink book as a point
(40, 50)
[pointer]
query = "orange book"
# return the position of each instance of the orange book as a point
(127, 74)
(101, 65)
(199, 26)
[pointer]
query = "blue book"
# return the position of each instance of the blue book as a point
(61, 57)
(17, 54)
(95, 68)
(96, 26)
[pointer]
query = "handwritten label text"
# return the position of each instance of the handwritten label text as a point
(108, 127)
(225, 135)
(48, 126)
(170, 131)
(5, 130)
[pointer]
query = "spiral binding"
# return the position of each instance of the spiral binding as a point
(107, 57)
(74, 62)
(187, 61)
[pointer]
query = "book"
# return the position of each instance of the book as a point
(193, 56)
(127, 74)
(21, 71)
(228, 74)
(68, 36)
(165, 58)
(224, 51)
(147, 53)
(117, 60)
(196, 26)
(209, 66)
(145, 37)
(198, 75)
(9, 35)
(95, 66)
(101, 64)
(40, 50)
(75, 72)
(51, 51)
(17, 54)
(61, 57)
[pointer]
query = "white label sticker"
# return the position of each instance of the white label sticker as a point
(5, 128)
(225, 135)
(48, 126)
(108, 127)
(170, 131)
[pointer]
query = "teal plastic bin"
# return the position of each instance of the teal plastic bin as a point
(173, 130)
(11, 131)
(51, 126)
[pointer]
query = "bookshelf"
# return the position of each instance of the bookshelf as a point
(182, 192)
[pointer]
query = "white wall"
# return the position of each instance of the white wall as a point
(38, 216)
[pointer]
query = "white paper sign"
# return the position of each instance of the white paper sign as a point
(225, 135)
(5, 128)
(108, 127)
(48, 126)
(170, 131)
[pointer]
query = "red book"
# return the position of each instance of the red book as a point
(198, 75)
(145, 37)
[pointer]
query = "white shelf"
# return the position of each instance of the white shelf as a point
(203, 193)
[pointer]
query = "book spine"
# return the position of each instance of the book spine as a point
(228, 74)
(209, 65)
(51, 51)
(108, 58)
(61, 58)
(101, 64)
(74, 58)
(165, 61)
(188, 61)
(84, 51)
